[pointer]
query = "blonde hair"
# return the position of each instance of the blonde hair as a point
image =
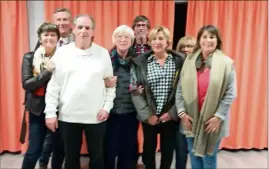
(123, 29)
(183, 42)
(155, 31)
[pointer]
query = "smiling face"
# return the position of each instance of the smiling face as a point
(208, 39)
(49, 40)
(63, 21)
(159, 43)
(123, 41)
(141, 28)
(208, 42)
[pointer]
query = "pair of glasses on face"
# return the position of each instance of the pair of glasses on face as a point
(188, 46)
(139, 25)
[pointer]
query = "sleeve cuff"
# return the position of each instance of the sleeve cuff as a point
(107, 108)
(219, 115)
(50, 114)
(181, 110)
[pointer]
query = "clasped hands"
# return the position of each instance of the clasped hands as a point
(154, 119)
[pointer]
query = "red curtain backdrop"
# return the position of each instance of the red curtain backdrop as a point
(13, 43)
(244, 31)
(110, 14)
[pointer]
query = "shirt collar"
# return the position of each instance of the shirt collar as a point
(152, 57)
(207, 62)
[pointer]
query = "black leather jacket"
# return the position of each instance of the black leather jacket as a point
(34, 104)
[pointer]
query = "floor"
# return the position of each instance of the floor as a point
(226, 159)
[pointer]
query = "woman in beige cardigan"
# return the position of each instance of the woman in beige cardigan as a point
(204, 96)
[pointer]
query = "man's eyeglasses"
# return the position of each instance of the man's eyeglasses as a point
(139, 25)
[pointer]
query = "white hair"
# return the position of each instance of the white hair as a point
(123, 29)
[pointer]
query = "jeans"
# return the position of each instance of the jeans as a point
(206, 162)
(47, 150)
(121, 141)
(37, 133)
(181, 151)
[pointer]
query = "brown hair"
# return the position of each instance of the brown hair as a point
(140, 18)
(48, 27)
(211, 29)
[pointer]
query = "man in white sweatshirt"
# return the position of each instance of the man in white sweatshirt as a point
(77, 90)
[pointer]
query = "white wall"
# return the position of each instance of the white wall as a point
(35, 19)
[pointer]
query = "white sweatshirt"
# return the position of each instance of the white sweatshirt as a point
(77, 89)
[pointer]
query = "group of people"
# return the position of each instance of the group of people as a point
(73, 85)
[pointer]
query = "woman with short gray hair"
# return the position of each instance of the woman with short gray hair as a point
(122, 125)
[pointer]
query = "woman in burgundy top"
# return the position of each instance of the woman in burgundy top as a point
(204, 96)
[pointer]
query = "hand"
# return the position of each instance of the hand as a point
(187, 122)
(212, 125)
(111, 81)
(140, 89)
(50, 66)
(153, 120)
(102, 115)
(165, 117)
(52, 123)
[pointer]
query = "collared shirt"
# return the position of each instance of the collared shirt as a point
(64, 41)
(140, 49)
(160, 79)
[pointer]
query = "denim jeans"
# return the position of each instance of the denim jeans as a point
(47, 150)
(37, 133)
(206, 162)
(181, 151)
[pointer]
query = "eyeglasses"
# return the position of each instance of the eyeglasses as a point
(139, 25)
(188, 46)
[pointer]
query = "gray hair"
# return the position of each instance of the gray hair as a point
(123, 29)
(87, 16)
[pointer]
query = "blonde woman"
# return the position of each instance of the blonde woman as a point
(186, 45)
(204, 96)
(155, 74)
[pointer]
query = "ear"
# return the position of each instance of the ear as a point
(168, 44)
